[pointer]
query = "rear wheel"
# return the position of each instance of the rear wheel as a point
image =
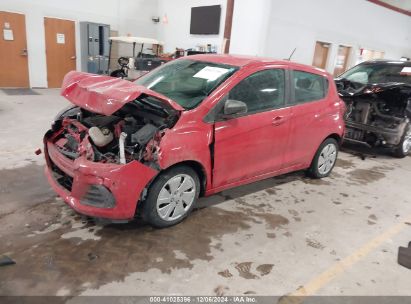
(171, 197)
(325, 158)
(404, 147)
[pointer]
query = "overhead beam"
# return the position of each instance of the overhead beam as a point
(228, 26)
(391, 7)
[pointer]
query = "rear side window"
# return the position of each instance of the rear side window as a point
(261, 91)
(308, 87)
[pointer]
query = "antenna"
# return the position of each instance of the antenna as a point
(292, 53)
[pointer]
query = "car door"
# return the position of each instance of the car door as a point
(308, 98)
(254, 143)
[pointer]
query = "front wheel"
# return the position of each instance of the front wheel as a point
(325, 158)
(171, 197)
(404, 147)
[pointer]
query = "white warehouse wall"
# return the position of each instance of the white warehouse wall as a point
(274, 28)
(250, 27)
(135, 19)
(260, 27)
(176, 33)
(126, 16)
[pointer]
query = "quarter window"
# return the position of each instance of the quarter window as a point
(308, 87)
(261, 91)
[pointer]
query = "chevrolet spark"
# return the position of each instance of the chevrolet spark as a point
(191, 128)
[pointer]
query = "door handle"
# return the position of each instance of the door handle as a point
(24, 52)
(279, 120)
(73, 57)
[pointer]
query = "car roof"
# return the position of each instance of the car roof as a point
(387, 62)
(241, 60)
(235, 60)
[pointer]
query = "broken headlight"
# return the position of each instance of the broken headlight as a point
(70, 111)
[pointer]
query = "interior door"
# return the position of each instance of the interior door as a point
(321, 54)
(342, 60)
(14, 71)
(60, 49)
(254, 144)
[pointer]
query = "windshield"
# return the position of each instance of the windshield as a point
(187, 82)
(378, 73)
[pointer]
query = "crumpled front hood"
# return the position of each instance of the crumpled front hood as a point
(104, 94)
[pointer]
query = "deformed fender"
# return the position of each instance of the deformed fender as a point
(188, 144)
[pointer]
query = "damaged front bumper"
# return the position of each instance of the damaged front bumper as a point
(102, 190)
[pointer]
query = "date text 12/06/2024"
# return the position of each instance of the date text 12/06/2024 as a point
(203, 299)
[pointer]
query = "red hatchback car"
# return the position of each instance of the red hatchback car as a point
(192, 127)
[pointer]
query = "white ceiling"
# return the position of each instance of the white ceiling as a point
(402, 4)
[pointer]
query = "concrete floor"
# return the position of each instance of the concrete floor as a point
(284, 235)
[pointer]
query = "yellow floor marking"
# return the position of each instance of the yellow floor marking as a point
(318, 282)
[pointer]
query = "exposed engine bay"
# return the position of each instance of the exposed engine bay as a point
(131, 133)
(377, 114)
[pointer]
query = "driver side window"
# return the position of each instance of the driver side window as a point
(360, 77)
(261, 91)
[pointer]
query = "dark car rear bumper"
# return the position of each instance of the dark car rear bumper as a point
(391, 137)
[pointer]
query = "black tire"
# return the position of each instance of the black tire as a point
(149, 209)
(314, 171)
(399, 149)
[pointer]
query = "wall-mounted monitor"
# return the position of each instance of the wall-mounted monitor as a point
(205, 20)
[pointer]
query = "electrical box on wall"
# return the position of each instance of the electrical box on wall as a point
(94, 47)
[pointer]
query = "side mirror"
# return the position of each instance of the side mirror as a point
(339, 84)
(234, 107)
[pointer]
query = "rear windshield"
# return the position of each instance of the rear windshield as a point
(187, 82)
(378, 73)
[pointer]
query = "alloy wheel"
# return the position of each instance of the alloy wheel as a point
(176, 197)
(406, 145)
(327, 159)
